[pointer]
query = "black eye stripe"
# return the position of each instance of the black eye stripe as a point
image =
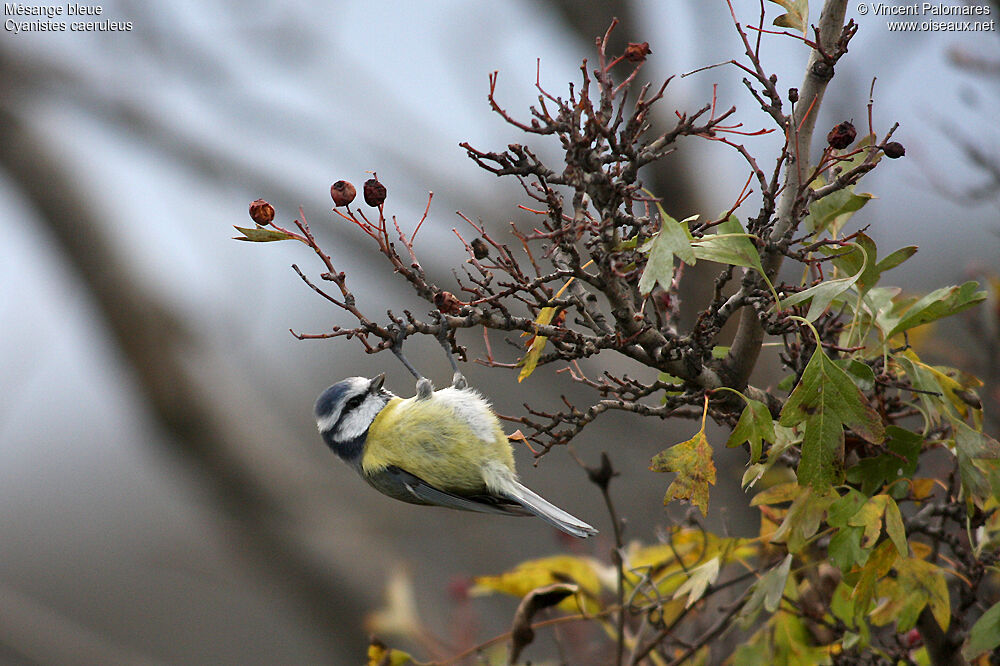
(353, 403)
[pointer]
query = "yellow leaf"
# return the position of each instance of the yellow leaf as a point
(878, 565)
(926, 584)
(783, 492)
(533, 574)
(380, 655)
(664, 565)
(530, 360)
(922, 488)
(692, 461)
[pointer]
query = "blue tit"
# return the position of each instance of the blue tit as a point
(443, 448)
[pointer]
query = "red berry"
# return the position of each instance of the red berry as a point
(261, 212)
(342, 193)
(842, 135)
(374, 192)
(893, 150)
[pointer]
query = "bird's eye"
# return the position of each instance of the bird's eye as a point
(354, 402)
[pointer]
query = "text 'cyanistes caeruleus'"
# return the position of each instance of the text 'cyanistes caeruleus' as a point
(444, 448)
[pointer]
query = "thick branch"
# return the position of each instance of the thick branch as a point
(750, 335)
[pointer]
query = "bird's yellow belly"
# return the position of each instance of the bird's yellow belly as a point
(446, 440)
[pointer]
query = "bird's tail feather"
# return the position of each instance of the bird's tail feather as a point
(545, 510)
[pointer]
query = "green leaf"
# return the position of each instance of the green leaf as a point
(900, 462)
(870, 518)
(692, 461)
(803, 518)
(659, 265)
(861, 373)
(823, 293)
(842, 606)
(978, 463)
(831, 213)
(825, 401)
(844, 508)
(845, 548)
(785, 492)
(673, 239)
(879, 305)
(755, 425)
(850, 262)
(766, 592)
(263, 235)
(797, 17)
(896, 258)
(984, 635)
(730, 244)
(939, 303)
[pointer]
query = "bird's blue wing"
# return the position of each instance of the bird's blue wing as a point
(400, 484)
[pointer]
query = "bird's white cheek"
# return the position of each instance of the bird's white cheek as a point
(357, 422)
(328, 421)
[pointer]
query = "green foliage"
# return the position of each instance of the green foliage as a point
(754, 427)
(985, 634)
(824, 402)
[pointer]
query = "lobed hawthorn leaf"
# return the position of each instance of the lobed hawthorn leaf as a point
(692, 461)
(766, 592)
(942, 302)
(698, 581)
(845, 549)
(797, 17)
(533, 574)
(824, 402)
(984, 635)
(673, 240)
(824, 293)
(939, 390)
(878, 565)
(860, 373)
(831, 213)
(920, 584)
(850, 261)
(730, 244)
(804, 518)
(871, 516)
(662, 564)
(978, 463)
(898, 462)
(755, 426)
